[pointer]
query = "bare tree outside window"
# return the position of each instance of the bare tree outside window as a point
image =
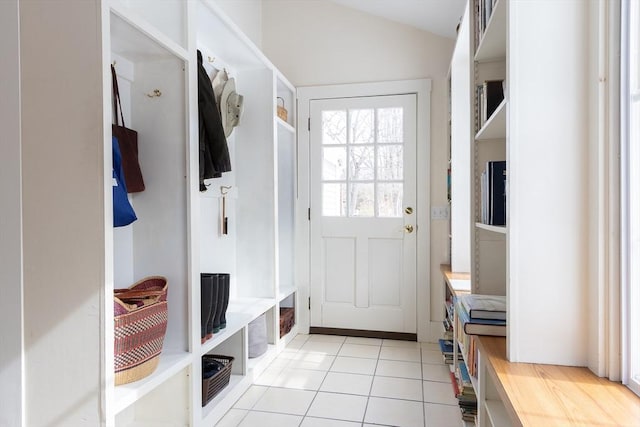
(362, 166)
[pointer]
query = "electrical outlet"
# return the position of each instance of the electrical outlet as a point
(439, 212)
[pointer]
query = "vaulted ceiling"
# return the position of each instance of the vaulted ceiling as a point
(437, 16)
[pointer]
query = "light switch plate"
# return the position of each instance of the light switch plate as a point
(439, 212)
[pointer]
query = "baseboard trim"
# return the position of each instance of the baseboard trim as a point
(364, 334)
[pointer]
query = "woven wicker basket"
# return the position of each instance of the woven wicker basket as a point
(282, 112)
(140, 324)
(214, 385)
(287, 320)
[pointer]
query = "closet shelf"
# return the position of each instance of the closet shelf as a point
(285, 291)
(231, 43)
(229, 392)
(252, 307)
(496, 126)
(235, 322)
(285, 126)
(241, 311)
(497, 413)
(493, 45)
(501, 229)
(137, 40)
(258, 364)
(291, 335)
(170, 364)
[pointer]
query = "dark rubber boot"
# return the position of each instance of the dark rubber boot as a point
(224, 280)
(214, 322)
(212, 281)
(206, 289)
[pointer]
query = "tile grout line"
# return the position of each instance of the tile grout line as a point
(269, 387)
(321, 383)
(288, 362)
(366, 406)
(424, 405)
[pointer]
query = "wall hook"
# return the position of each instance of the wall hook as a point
(155, 94)
(211, 59)
(224, 189)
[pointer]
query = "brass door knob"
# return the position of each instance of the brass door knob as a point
(408, 228)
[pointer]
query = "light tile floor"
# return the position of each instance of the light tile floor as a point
(335, 381)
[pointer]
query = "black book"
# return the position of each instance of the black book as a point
(493, 96)
(497, 175)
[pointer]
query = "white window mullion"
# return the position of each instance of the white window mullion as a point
(376, 212)
(347, 187)
(630, 185)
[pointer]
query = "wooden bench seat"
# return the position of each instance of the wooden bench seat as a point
(549, 395)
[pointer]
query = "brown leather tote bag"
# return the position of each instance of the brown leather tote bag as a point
(128, 142)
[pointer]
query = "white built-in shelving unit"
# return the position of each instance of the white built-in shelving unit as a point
(538, 259)
(178, 233)
(488, 242)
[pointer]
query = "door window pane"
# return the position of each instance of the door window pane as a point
(334, 199)
(390, 162)
(334, 163)
(361, 126)
(390, 125)
(361, 200)
(362, 149)
(390, 200)
(361, 163)
(334, 127)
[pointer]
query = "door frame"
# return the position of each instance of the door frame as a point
(422, 89)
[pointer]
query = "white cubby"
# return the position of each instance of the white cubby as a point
(178, 234)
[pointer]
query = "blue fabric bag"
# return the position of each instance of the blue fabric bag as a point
(123, 213)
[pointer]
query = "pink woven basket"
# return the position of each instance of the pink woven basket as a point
(140, 324)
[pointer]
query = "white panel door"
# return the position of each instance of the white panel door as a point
(363, 213)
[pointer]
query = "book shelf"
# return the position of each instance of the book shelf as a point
(455, 285)
(488, 241)
(539, 258)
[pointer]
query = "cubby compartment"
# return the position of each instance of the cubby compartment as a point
(256, 181)
(167, 405)
(167, 17)
(491, 409)
(286, 97)
(287, 193)
(235, 345)
(242, 225)
(152, 83)
(287, 325)
(258, 364)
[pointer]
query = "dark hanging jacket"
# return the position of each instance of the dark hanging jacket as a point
(214, 152)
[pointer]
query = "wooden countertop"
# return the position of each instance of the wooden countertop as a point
(458, 283)
(550, 395)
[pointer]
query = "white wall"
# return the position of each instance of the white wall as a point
(461, 151)
(247, 14)
(63, 207)
(320, 43)
(11, 388)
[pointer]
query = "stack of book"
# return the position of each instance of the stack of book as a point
(467, 400)
(448, 329)
(482, 314)
(446, 348)
(447, 323)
